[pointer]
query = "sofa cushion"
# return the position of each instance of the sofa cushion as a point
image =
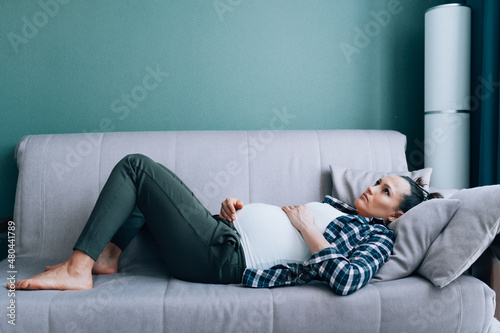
(415, 231)
(349, 184)
(470, 231)
(142, 297)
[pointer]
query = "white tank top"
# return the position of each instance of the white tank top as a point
(269, 238)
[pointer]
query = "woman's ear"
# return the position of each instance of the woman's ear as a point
(397, 214)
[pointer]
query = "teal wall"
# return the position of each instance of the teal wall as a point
(78, 66)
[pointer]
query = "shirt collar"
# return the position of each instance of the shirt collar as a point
(344, 207)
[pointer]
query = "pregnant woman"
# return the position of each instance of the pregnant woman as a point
(257, 245)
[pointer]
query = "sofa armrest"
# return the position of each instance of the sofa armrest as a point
(487, 269)
(495, 281)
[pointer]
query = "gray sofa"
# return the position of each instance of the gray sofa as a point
(60, 177)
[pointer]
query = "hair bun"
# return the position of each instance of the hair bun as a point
(435, 195)
(420, 182)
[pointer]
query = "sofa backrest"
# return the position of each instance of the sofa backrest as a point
(61, 175)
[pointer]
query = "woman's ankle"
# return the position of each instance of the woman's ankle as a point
(114, 250)
(80, 262)
(110, 252)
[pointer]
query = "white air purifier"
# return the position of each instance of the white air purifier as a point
(447, 95)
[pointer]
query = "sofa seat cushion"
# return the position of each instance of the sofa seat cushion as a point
(146, 299)
(143, 297)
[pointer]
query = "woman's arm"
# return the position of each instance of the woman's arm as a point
(302, 219)
(346, 275)
(343, 274)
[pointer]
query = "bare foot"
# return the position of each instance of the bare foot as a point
(107, 263)
(72, 274)
(55, 266)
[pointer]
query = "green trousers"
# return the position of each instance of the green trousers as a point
(195, 245)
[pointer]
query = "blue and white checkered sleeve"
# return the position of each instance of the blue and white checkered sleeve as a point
(346, 275)
(279, 275)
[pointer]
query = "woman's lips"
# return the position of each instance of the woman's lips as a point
(364, 196)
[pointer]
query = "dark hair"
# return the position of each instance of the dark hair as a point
(418, 194)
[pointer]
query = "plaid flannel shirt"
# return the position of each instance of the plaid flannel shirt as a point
(359, 248)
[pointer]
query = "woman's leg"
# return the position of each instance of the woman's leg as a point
(194, 245)
(129, 229)
(107, 262)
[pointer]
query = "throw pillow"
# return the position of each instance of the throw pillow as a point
(470, 232)
(415, 231)
(349, 184)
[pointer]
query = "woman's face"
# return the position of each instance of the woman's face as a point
(383, 199)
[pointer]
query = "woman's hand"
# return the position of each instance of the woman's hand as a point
(303, 220)
(229, 207)
(300, 216)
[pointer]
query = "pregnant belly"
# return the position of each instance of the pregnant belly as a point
(268, 237)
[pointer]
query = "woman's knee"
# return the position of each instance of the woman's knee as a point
(135, 159)
(139, 161)
(131, 162)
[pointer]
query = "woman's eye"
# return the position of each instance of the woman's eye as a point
(386, 191)
(377, 182)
